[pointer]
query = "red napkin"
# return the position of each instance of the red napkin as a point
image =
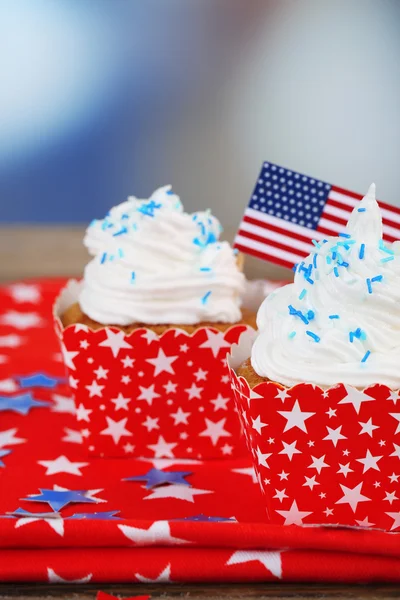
(211, 530)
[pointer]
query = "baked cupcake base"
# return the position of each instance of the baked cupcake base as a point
(74, 315)
(246, 370)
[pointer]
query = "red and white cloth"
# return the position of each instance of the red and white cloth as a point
(150, 542)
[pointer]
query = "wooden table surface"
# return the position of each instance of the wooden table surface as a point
(27, 252)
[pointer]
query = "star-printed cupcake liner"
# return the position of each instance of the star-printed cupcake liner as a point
(323, 457)
(141, 394)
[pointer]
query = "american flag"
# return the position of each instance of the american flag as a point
(287, 210)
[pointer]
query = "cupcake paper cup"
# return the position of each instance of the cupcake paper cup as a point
(323, 457)
(146, 395)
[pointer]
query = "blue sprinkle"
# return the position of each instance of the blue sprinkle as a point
(315, 337)
(133, 276)
(120, 232)
(309, 280)
(369, 286)
(303, 293)
(295, 267)
(170, 193)
(377, 278)
(205, 297)
(316, 244)
(365, 356)
(361, 209)
(205, 268)
(103, 258)
(120, 252)
(345, 235)
(328, 260)
(125, 216)
(335, 270)
(315, 261)
(235, 251)
(334, 316)
(363, 335)
(384, 260)
(310, 315)
(384, 248)
(333, 255)
(362, 250)
(291, 335)
(297, 313)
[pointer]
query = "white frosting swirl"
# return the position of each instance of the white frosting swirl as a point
(339, 322)
(153, 263)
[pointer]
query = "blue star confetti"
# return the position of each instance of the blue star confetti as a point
(38, 380)
(59, 499)
(102, 516)
(204, 519)
(3, 453)
(156, 477)
(20, 404)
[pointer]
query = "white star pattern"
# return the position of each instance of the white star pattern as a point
(82, 413)
(116, 429)
(271, 560)
(220, 403)
(180, 417)
(162, 363)
(215, 342)
(215, 430)
(293, 516)
(127, 362)
(334, 435)
(280, 495)
(21, 320)
(390, 497)
(159, 533)
(8, 438)
(170, 388)
(8, 385)
(318, 463)
(72, 436)
(355, 398)
(262, 458)
(282, 394)
(179, 492)
(369, 462)
(162, 449)
(368, 427)
(23, 292)
(115, 341)
(247, 471)
(345, 469)
(352, 496)
(310, 482)
(68, 357)
(121, 403)
(62, 465)
(63, 404)
(393, 396)
(397, 417)
(56, 523)
(163, 577)
(396, 451)
(151, 423)
(101, 373)
(95, 389)
(148, 394)
(257, 424)
(10, 341)
(396, 519)
(194, 391)
(54, 578)
(201, 375)
(295, 417)
(289, 449)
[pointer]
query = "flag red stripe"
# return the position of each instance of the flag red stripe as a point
(340, 205)
(264, 256)
(334, 218)
(339, 190)
(275, 244)
(283, 231)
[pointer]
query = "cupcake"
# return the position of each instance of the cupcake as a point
(317, 388)
(161, 283)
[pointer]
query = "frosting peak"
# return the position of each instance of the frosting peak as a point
(339, 321)
(153, 263)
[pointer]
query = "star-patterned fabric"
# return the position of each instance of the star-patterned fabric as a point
(68, 517)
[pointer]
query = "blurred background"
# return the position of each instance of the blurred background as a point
(100, 99)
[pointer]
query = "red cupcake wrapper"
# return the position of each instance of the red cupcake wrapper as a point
(322, 457)
(141, 394)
